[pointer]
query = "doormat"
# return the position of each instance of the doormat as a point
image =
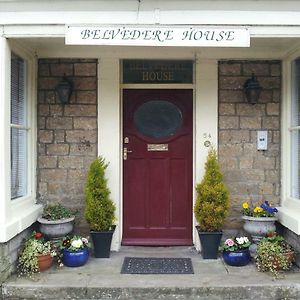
(154, 265)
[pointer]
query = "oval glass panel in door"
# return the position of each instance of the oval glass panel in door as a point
(157, 119)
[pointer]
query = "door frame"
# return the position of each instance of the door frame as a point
(110, 103)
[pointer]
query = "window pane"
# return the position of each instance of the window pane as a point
(18, 163)
(157, 119)
(18, 108)
(295, 92)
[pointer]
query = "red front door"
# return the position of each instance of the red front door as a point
(157, 164)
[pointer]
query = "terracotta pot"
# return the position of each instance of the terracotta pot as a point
(44, 261)
(290, 257)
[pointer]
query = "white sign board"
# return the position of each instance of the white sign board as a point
(157, 36)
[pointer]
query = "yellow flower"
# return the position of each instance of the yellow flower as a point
(245, 205)
(258, 209)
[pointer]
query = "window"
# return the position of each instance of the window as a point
(18, 128)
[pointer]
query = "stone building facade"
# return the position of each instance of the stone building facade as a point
(67, 134)
(251, 175)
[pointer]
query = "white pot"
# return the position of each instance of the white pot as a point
(258, 227)
(57, 228)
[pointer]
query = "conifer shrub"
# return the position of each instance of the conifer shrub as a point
(99, 208)
(212, 202)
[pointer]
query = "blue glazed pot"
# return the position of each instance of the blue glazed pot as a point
(237, 258)
(75, 259)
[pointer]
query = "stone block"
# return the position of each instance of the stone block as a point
(265, 96)
(231, 83)
(230, 69)
(272, 176)
(42, 188)
(48, 83)
(43, 110)
(258, 68)
(250, 122)
(232, 96)
(85, 69)
(53, 175)
(78, 175)
(61, 69)
(41, 149)
(85, 123)
(45, 136)
(228, 163)
(41, 122)
(41, 97)
(270, 82)
(276, 95)
(275, 69)
(70, 162)
(273, 109)
(271, 123)
(50, 97)
(250, 110)
(83, 149)
(46, 162)
(226, 109)
(264, 162)
(246, 162)
(267, 189)
(56, 110)
(234, 136)
(59, 136)
(85, 83)
(44, 70)
(276, 136)
(59, 123)
(86, 97)
(228, 122)
(228, 150)
(81, 110)
(57, 149)
(79, 136)
(249, 175)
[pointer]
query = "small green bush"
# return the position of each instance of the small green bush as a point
(99, 209)
(212, 202)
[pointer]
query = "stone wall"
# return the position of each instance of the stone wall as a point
(249, 173)
(9, 253)
(67, 134)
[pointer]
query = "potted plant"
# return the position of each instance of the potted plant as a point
(274, 254)
(74, 250)
(56, 221)
(236, 251)
(99, 209)
(36, 255)
(259, 220)
(211, 207)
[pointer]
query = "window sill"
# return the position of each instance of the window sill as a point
(290, 218)
(19, 222)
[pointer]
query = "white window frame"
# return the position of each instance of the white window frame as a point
(289, 212)
(18, 214)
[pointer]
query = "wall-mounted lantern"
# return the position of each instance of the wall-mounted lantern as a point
(252, 89)
(64, 90)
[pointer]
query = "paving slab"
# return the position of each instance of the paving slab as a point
(101, 279)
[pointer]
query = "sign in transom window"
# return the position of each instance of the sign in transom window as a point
(157, 71)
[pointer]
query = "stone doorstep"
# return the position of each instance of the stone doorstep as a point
(273, 292)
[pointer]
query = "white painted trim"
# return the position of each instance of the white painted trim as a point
(109, 133)
(20, 213)
(289, 212)
(206, 117)
(167, 16)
